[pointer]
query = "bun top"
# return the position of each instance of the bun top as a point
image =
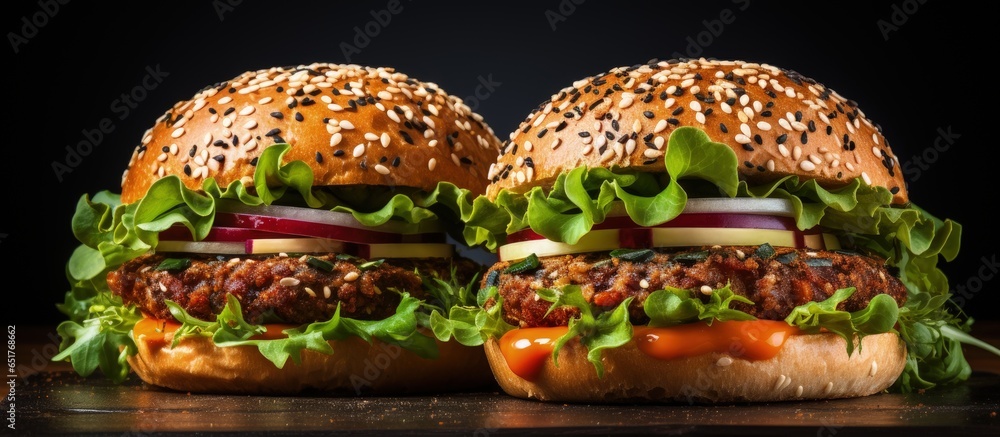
(352, 124)
(777, 121)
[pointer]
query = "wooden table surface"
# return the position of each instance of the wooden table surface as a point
(50, 399)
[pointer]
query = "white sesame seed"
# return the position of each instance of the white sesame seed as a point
(528, 146)
(770, 165)
(742, 139)
(796, 153)
(248, 110)
(431, 164)
(351, 276)
(555, 143)
(798, 391)
(371, 137)
(382, 169)
(660, 126)
(225, 100)
(227, 122)
(829, 388)
(877, 152)
(726, 108)
(868, 180)
(432, 143)
(807, 166)
(694, 105)
(310, 292)
(326, 291)
(745, 128)
(644, 283)
(668, 103)
(724, 361)
(874, 369)
(849, 166)
(289, 282)
(335, 139)
(345, 124)
(784, 123)
(586, 149)
(706, 290)
(780, 382)
(177, 132)
(699, 117)
(815, 159)
(359, 150)
(763, 125)
(250, 124)
(745, 99)
(384, 139)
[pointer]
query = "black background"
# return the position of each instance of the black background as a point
(923, 71)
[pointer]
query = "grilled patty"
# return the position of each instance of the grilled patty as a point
(273, 289)
(776, 280)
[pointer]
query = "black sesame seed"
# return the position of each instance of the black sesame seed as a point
(648, 114)
(253, 161)
(757, 139)
(212, 111)
(829, 130)
(395, 162)
(319, 157)
(708, 112)
(542, 132)
(406, 137)
(614, 125)
(673, 121)
(338, 153)
(529, 162)
(229, 111)
(894, 190)
(723, 128)
(798, 115)
(805, 138)
(748, 164)
(193, 150)
(272, 132)
(219, 143)
(219, 158)
(765, 113)
(748, 147)
(187, 169)
(277, 115)
(383, 159)
(299, 117)
(677, 111)
(609, 135)
(781, 138)
(812, 126)
(513, 149)
(562, 125)
(165, 149)
(583, 134)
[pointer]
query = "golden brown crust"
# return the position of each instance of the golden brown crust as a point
(352, 125)
(777, 121)
(808, 367)
(355, 368)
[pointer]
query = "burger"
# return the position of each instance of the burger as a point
(710, 231)
(285, 231)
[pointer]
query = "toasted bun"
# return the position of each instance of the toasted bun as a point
(777, 121)
(355, 367)
(808, 367)
(351, 124)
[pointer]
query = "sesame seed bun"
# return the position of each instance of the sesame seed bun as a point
(778, 122)
(794, 374)
(197, 365)
(354, 125)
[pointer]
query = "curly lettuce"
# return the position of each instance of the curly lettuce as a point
(97, 334)
(862, 216)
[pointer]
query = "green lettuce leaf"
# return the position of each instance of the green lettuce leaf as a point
(111, 233)
(863, 217)
(673, 306)
(878, 317)
(596, 330)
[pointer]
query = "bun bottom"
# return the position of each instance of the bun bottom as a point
(807, 367)
(355, 368)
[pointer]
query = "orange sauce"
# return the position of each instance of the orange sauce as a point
(156, 330)
(526, 349)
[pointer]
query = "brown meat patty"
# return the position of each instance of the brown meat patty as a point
(279, 289)
(775, 279)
